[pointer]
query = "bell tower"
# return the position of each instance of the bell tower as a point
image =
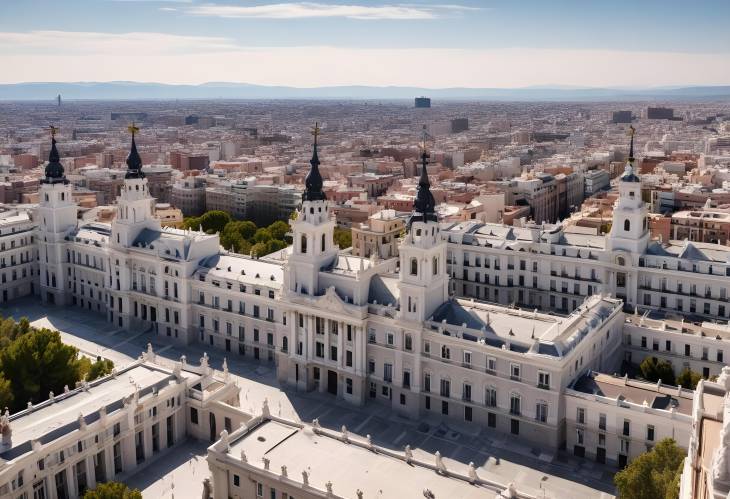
(135, 206)
(313, 232)
(423, 279)
(57, 214)
(630, 227)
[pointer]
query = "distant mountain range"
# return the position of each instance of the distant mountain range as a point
(127, 90)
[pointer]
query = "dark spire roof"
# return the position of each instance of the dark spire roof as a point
(54, 168)
(629, 175)
(313, 181)
(424, 206)
(134, 162)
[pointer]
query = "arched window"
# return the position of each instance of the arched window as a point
(435, 265)
(627, 225)
(303, 244)
(414, 266)
(285, 344)
(323, 242)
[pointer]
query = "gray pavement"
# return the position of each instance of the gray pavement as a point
(498, 456)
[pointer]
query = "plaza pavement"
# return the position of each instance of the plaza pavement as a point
(497, 456)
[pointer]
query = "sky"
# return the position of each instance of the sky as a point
(433, 44)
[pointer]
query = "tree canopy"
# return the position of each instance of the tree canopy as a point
(242, 236)
(655, 370)
(688, 379)
(34, 362)
(343, 237)
(112, 490)
(654, 474)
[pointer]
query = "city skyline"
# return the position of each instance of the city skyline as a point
(310, 44)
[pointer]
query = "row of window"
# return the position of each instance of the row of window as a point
(581, 418)
(719, 354)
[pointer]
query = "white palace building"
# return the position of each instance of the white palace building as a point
(390, 331)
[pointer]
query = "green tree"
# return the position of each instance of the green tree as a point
(652, 475)
(191, 223)
(99, 369)
(6, 393)
(112, 490)
(214, 221)
(343, 237)
(259, 249)
(246, 229)
(278, 230)
(262, 236)
(688, 379)
(37, 363)
(275, 245)
(231, 239)
(655, 370)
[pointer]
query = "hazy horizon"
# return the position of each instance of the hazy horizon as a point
(468, 43)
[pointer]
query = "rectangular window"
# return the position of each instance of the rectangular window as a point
(581, 415)
(466, 392)
(650, 433)
(514, 404)
(627, 427)
(445, 388)
(491, 365)
(193, 415)
(388, 372)
(602, 422)
(490, 397)
(543, 380)
(541, 412)
(515, 372)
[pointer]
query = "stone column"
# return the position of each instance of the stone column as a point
(342, 331)
(90, 471)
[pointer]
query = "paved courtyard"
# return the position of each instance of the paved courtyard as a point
(499, 457)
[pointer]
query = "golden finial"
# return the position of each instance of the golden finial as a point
(53, 130)
(316, 131)
(133, 129)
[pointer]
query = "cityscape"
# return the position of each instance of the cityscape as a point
(302, 268)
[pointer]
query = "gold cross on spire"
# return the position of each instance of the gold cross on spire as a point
(53, 130)
(133, 129)
(316, 131)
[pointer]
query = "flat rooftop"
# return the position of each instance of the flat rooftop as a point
(496, 323)
(50, 420)
(301, 449)
(636, 392)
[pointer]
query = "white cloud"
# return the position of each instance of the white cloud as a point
(159, 57)
(69, 42)
(318, 10)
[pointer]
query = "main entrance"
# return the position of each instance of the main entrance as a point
(332, 382)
